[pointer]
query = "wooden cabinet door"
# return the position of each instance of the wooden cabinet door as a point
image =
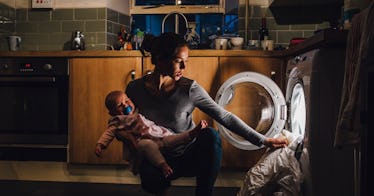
(205, 71)
(90, 81)
(229, 66)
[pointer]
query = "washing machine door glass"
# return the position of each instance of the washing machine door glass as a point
(256, 100)
(297, 110)
(295, 97)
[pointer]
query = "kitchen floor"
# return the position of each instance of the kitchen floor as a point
(59, 178)
(37, 188)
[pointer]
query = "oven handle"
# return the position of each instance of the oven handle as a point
(28, 79)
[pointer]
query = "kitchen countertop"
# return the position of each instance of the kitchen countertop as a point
(134, 53)
(324, 38)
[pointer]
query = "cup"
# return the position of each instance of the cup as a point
(253, 44)
(221, 44)
(267, 45)
(14, 42)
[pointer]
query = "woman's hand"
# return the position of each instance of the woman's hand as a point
(274, 143)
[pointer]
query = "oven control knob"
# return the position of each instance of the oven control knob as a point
(47, 67)
(6, 66)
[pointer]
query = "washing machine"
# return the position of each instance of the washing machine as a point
(308, 107)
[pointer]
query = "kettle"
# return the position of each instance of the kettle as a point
(77, 41)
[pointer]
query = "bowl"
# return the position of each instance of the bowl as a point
(236, 42)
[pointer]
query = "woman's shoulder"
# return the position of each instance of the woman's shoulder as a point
(185, 82)
(135, 85)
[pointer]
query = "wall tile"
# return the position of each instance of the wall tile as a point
(21, 14)
(52, 29)
(323, 25)
(85, 14)
(101, 38)
(95, 26)
(49, 27)
(29, 47)
(63, 14)
(124, 19)
(70, 26)
(32, 39)
(50, 47)
(90, 38)
(7, 28)
(60, 37)
(110, 27)
(101, 13)
(303, 27)
(286, 36)
(308, 34)
(27, 27)
(112, 15)
(36, 15)
(116, 29)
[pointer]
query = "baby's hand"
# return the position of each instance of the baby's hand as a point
(197, 130)
(98, 150)
(203, 124)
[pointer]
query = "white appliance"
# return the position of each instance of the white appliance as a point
(309, 108)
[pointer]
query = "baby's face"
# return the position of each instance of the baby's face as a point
(122, 102)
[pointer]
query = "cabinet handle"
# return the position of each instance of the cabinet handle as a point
(132, 73)
(148, 72)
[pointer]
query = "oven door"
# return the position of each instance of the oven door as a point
(34, 110)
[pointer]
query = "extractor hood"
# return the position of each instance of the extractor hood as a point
(306, 11)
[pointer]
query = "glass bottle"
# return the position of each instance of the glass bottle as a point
(263, 32)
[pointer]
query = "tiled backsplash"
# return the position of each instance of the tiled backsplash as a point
(51, 30)
(281, 34)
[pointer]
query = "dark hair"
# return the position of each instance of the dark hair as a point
(110, 100)
(163, 47)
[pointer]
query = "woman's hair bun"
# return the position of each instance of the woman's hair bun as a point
(147, 43)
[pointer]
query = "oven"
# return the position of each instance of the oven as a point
(34, 108)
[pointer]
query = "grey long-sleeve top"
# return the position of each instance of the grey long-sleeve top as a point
(175, 111)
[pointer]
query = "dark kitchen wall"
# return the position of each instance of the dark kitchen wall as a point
(281, 34)
(51, 30)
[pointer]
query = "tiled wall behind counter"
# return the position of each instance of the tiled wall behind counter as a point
(51, 30)
(281, 34)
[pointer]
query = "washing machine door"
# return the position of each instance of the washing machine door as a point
(295, 97)
(255, 99)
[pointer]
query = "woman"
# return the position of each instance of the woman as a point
(168, 99)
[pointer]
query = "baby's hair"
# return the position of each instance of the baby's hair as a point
(110, 100)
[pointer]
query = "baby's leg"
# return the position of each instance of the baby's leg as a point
(184, 137)
(150, 150)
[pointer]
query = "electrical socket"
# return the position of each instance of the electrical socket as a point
(42, 4)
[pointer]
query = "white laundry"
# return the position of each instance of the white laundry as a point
(276, 173)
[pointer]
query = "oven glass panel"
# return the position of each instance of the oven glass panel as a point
(33, 107)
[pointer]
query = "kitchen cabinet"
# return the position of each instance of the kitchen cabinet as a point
(205, 70)
(90, 81)
(229, 66)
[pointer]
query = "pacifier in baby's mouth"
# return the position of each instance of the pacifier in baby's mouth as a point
(127, 110)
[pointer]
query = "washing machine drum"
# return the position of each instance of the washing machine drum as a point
(255, 99)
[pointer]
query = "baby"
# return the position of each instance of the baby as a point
(143, 136)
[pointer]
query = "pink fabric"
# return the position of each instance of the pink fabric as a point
(137, 124)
